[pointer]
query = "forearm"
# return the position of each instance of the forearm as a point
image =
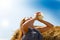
(46, 23)
(27, 24)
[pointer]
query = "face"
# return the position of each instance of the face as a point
(24, 20)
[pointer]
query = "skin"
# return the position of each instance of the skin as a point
(30, 21)
(26, 23)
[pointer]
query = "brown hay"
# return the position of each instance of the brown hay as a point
(48, 35)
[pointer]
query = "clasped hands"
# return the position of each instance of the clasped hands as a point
(37, 16)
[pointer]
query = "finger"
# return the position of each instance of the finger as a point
(27, 19)
(30, 17)
(38, 13)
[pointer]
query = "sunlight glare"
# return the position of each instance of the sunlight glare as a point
(5, 23)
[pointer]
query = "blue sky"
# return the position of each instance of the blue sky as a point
(12, 11)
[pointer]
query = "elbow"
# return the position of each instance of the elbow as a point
(51, 26)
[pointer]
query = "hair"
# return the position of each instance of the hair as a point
(22, 21)
(18, 34)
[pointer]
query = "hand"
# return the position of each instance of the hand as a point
(26, 19)
(38, 16)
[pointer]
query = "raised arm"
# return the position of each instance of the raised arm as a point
(39, 18)
(48, 26)
(46, 23)
(27, 24)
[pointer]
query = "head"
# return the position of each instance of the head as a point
(24, 20)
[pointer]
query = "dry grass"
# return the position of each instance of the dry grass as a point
(52, 34)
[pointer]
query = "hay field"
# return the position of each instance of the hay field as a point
(52, 34)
